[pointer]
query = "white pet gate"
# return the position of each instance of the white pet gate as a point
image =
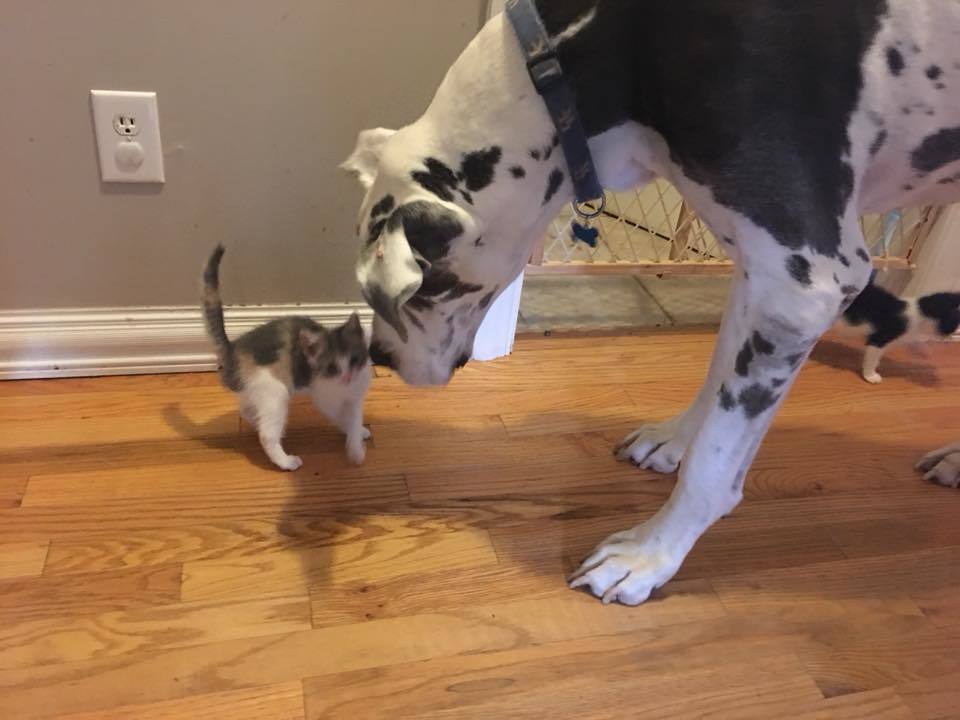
(654, 232)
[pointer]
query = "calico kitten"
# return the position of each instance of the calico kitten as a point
(888, 319)
(269, 364)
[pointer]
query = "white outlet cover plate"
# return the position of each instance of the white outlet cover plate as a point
(107, 105)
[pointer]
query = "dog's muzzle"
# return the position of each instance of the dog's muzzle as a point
(381, 357)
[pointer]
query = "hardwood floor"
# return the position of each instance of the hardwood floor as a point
(152, 565)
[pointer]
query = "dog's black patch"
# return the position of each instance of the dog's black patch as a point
(727, 401)
(547, 152)
(944, 308)
(844, 260)
(794, 360)
(555, 140)
(411, 316)
(785, 125)
(756, 399)
(762, 345)
(728, 241)
(850, 290)
(878, 143)
(799, 268)
(461, 362)
(938, 150)
(467, 197)
(895, 61)
(438, 179)
(863, 255)
(836, 280)
(375, 229)
(428, 226)
(441, 281)
(518, 172)
(418, 302)
(778, 382)
(478, 242)
(553, 184)
(487, 299)
(934, 72)
(938, 86)
(535, 154)
(744, 358)
(478, 168)
(883, 311)
(384, 207)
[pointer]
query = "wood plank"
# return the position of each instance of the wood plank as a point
(21, 560)
(63, 639)
(869, 652)
(832, 590)
(43, 597)
(244, 538)
(933, 698)
(12, 489)
(282, 499)
(273, 702)
(467, 631)
(287, 573)
(584, 685)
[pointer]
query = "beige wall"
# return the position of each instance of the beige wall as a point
(259, 102)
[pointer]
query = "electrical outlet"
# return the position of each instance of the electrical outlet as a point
(127, 126)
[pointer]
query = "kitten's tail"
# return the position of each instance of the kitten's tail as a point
(944, 308)
(213, 317)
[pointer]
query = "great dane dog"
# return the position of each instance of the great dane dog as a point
(781, 122)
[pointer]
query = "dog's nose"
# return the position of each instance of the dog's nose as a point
(380, 356)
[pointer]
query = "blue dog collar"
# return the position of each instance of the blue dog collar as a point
(548, 78)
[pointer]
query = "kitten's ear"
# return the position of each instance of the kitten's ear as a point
(364, 162)
(353, 324)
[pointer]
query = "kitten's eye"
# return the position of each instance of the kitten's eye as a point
(332, 370)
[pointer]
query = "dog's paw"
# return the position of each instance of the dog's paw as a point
(654, 447)
(365, 434)
(626, 569)
(942, 466)
(874, 378)
(290, 463)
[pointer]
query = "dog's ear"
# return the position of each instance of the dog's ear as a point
(389, 275)
(365, 160)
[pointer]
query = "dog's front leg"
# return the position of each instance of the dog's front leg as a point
(783, 315)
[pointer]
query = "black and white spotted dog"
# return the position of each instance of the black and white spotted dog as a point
(781, 122)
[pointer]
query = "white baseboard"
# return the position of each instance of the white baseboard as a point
(129, 341)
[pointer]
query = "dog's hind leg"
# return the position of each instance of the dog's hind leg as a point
(790, 298)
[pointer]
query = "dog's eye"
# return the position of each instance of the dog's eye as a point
(332, 370)
(356, 361)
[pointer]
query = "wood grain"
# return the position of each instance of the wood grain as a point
(271, 702)
(154, 566)
(18, 560)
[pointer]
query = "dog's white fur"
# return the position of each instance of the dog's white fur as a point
(716, 446)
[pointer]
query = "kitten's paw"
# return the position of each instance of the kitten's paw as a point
(356, 452)
(873, 378)
(942, 466)
(290, 463)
